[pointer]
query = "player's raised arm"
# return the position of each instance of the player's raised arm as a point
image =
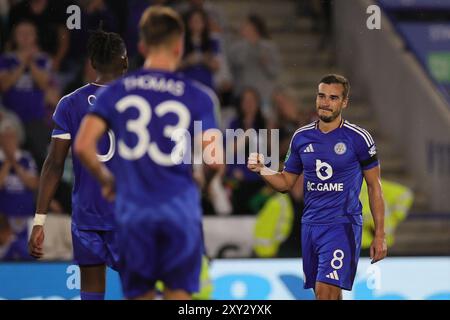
(213, 155)
(212, 148)
(378, 248)
(210, 138)
(280, 181)
(51, 173)
(91, 130)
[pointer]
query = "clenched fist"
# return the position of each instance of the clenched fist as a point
(255, 162)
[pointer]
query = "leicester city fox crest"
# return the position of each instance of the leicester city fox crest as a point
(340, 148)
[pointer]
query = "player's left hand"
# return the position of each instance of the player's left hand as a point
(378, 249)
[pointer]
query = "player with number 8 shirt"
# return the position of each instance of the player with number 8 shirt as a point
(332, 156)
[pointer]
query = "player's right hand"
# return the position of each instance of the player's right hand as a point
(36, 242)
(108, 185)
(255, 162)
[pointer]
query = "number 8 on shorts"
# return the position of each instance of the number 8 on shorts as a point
(338, 255)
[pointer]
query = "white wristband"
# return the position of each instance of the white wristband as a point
(39, 219)
(267, 171)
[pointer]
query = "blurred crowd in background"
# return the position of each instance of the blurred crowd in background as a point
(41, 60)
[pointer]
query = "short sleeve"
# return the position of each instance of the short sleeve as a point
(366, 150)
(293, 163)
(61, 117)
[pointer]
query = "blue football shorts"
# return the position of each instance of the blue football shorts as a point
(95, 247)
(330, 254)
(164, 243)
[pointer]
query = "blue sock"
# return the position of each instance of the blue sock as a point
(92, 295)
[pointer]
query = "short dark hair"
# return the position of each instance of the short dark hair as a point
(159, 25)
(104, 48)
(337, 79)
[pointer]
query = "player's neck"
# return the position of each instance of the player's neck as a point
(326, 127)
(160, 62)
(105, 78)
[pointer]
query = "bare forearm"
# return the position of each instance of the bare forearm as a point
(376, 202)
(50, 178)
(277, 181)
(280, 181)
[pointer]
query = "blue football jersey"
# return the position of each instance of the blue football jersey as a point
(332, 164)
(144, 110)
(90, 211)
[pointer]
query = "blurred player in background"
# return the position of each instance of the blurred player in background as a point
(158, 203)
(93, 226)
(333, 156)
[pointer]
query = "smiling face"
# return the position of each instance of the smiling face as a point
(330, 101)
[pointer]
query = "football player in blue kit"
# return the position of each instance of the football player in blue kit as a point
(158, 209)
(333, 156)
(93, 225)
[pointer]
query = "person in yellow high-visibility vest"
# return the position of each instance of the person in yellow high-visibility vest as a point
(398, 200)
(206, 285)
(273, 225)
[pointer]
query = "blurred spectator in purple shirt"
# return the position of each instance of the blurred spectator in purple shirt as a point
(49, 16)
(18, 181)
(13, 246)
(18, 172)
(24, 79)
(199, 61)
